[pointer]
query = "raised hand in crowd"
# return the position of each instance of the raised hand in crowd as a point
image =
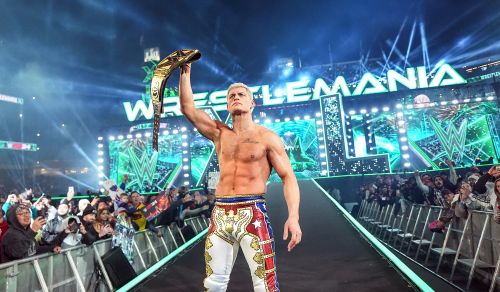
(494, 171)
(94, 201)
(106, 230)
(70, 194)
(39, 205)
(12, 199)
(82, 229)
(37, 224)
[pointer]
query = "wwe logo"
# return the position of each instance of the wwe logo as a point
(453, 140)
(145, 167)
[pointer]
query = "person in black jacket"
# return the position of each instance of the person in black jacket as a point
(87, 220)
(19, 240)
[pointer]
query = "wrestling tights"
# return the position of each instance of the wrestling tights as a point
(240, 221)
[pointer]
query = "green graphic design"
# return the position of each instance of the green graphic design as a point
(301, 145)
(201, 149)
(452, 140)
(386, 137)
(433, 135)
(147, 170)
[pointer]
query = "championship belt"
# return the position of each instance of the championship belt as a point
(160, 76)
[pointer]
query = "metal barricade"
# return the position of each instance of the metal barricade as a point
(421, 229)
(495, 277)
(471, 245)
(475, 257)
(77, 268)
(415, 209)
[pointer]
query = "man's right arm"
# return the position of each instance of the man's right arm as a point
(201, 120)
(420, 184)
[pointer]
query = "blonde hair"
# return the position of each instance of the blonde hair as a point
(239, 84)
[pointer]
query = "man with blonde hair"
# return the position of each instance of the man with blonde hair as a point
(247, 153)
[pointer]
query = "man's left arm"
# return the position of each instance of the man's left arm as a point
(281, 163)
(453, 178)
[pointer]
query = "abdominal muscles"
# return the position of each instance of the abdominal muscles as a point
(244, 173)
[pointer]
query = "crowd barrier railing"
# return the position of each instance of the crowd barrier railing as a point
(80, 268)
(471, 245)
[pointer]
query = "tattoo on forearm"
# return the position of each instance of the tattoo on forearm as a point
(248, 140)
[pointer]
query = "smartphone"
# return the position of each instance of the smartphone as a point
(71, 189)
(497, 167)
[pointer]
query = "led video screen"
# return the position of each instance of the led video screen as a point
(201, 150)
(386, 137)
(462, 132)
(301, 144)
(147, 170)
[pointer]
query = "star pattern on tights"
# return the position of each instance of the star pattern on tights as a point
(256, 224)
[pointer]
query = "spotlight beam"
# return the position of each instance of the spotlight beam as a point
(410, 41)
(394, 45)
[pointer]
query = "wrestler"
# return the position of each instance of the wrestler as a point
(247, 153)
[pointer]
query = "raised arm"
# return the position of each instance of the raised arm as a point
(201, 120)
(279, 160)
(453, 178)
(420, 184)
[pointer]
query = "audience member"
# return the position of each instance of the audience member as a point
(19, 240)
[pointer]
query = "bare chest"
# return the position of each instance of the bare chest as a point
(241, 148)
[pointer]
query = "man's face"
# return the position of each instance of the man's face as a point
(23, 216)
(62, 209)
(464, 189)
(239, 101)
(426, 179)
(438, 182)
(90, 218)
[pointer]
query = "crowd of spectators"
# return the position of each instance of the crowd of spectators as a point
(457, 194)
(31, 224)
